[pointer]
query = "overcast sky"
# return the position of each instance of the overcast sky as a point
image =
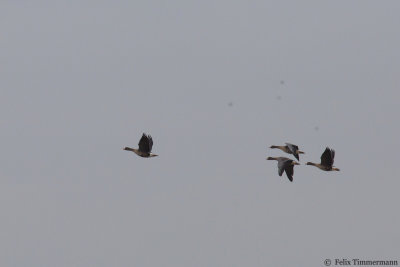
(81, 80)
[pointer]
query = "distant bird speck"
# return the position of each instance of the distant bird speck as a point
(230, 104)
(282, 82)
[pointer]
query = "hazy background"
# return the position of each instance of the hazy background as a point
(81, 80)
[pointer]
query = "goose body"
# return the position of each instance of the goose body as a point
(290, 149)
(145, 146)
(327, 159)
(285, 164)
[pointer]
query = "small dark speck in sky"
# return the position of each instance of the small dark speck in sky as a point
(316, 128)
(230, 104)
(278, 97)
(282, 82)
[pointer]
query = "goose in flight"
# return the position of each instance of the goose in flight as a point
(145, 146)
(327, 159)
(285, 164)
(290, 149)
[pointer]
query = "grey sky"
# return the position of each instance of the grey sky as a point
(81, 80)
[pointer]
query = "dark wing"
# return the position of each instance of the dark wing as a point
(145, 143)
(327, 157)
(150, 143)
(289, 171)
(293, 149)
(281, 166)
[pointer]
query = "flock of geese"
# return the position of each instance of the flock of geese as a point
(287, 165)
(284, 164)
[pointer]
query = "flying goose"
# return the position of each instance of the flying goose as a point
(290, 149)
(145, 146)
(285, 164)
(327, 159)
